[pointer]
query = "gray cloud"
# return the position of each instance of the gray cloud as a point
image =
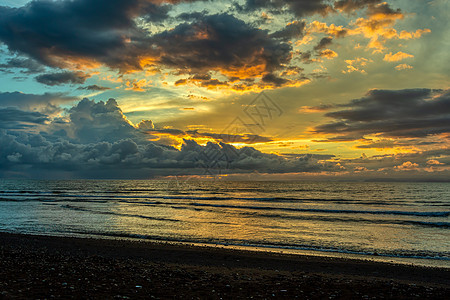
(96, 140)
(13, 118)
(393, 113)
(47, 103)
(293, 30)
(27, 65)
(98, 30)
(323, 43)
(350, 6)
(62, 78)
(126, 158)
(226, 43)
(91, 122)
(93, 87)
(300, 8)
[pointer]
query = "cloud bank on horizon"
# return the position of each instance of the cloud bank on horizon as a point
(359, 87)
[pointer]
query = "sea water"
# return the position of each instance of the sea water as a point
(396, 221)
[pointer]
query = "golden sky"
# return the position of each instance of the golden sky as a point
(280, 89)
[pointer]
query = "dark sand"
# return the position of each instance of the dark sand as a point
(39, 267)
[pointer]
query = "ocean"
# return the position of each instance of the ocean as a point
(397, 222)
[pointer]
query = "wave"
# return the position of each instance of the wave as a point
(334, 211)
(46, 196)
(118, 214)
(128, 199)
(352, 220)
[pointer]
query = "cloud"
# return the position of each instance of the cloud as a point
(82, 33)
(293, 30)
(393, 113)
(85, 34)
(128, 159)
(223, 43)
(333, 30)
(403, 67)
(299, 8)
(176, 136)
(94, 87)
(67, 77)
(96, 140)
(137, 85)
(13, 118)
(91, 122)
(275, 80)
(327, 53)
(406, 166)
(47, 103)
(324, 43)
(350, 6)
(250, 58)
(231, 138)
(316, 109)
(356, 65)
(27, 65)
(405, 35)
(397, 56)
(434, 162)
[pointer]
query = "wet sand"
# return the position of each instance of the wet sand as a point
(42, 267)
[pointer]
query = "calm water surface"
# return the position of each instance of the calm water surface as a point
(402, 222)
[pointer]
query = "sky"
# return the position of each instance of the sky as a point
(238, 89)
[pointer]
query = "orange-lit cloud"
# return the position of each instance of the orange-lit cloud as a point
(321, 27)
(315, 109)
(327, 53)
(397, 56)
(403, 67)
(406, 166)
(137, 85)
(356, 65)
(405, 35)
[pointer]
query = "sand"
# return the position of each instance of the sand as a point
(43, 267)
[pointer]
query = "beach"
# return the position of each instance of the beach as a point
(38, 267)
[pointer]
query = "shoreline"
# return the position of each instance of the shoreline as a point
(429, 262)
(62, 266)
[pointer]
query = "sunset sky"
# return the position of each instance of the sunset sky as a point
(244, 89)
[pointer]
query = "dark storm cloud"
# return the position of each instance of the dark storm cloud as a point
(27, 65)
(100, 30)
(155, 13)
(384, 9)
(373, 7)
(323, 43)
(300, 8)
(221, 42)
(293, 30)
(275, 80)
(305, 57)
(30, 102)
(96, 140)
(94, 87)
(69, 34)
(231, 138)
(91, 122)
(62, 78)
(393, 113)
(13, 118)
(352, 5)
(190, 16)
(140, 160)
(220, 137)
(386, 144)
